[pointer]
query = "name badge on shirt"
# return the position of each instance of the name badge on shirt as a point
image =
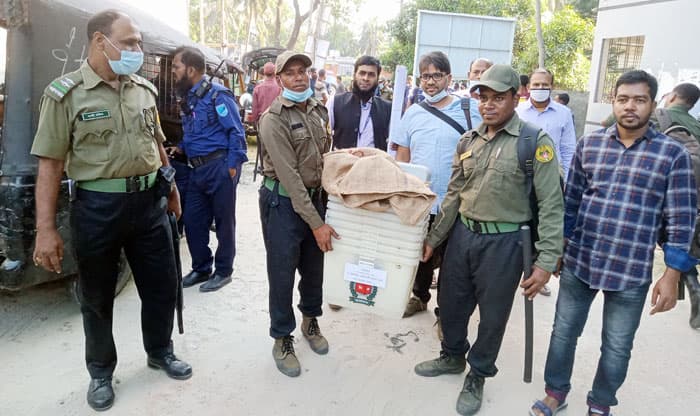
(95, 115)
(297, 126)
(465, 155)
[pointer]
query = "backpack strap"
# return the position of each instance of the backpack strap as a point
(442, 116)
(663, 118)
(464, 101)
(527, 146)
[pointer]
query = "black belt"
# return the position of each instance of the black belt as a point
(197, 161)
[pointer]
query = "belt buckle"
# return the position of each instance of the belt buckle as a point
(133, 184)
(477, 227)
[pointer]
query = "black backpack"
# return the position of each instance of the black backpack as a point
(683, 136)
(527, 146)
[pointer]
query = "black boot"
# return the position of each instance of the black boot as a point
(691, 282)
(100, 395)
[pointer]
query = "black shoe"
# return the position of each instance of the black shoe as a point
(174, 368)
(193, 277)
(469, 401)
(215, 282)
(100, 395)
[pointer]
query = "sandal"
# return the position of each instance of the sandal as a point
(546, 411)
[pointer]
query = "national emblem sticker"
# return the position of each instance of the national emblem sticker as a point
(544, 153)
(362, 293)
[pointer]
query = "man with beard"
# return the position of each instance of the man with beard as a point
(214, 142)
(358, 118)
(628, 184)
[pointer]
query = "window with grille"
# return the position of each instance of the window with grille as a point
(157, 69)
(618, 56)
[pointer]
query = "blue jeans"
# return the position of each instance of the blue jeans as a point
(622, 311)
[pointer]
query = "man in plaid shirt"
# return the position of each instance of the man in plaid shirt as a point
(629, 185)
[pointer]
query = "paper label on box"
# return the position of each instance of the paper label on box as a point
(365, 274)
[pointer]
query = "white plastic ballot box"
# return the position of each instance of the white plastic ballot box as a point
(373, 265)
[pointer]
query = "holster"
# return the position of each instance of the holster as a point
(165, 181)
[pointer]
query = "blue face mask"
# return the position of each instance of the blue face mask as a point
(129, 63)
(297, 97)
(437, 97)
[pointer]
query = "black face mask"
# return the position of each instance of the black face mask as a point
(363, 95)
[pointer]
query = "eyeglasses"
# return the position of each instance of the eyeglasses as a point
(436, 76)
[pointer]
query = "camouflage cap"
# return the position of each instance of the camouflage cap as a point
(287, 56)
(499, 78)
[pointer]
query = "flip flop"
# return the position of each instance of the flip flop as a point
(546, 411)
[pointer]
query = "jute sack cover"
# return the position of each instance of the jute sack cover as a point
(370, 179)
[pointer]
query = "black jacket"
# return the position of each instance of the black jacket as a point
(346, 112)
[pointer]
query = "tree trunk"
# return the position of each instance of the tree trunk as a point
(278, 25)
(202, 38)
(299, 20)
(540, 38)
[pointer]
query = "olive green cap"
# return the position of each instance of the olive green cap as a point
(287, 56)
(499, 78)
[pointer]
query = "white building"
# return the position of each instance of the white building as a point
(658, 36)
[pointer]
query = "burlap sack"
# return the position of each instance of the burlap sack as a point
(370, 179)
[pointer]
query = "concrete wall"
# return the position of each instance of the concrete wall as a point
(670, 29)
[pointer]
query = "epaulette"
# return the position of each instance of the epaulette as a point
(275, 107)
(60, 87)
(144, 82)
(466, 140)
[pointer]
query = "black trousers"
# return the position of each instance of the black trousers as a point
(290, 246)
(481, 270)
(424, 274)
(102, 225)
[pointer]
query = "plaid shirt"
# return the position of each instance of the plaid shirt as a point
(618, 199)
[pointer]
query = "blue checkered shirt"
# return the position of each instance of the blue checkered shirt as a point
(618, 199)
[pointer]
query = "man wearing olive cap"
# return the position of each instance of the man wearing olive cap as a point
(295, 135)
(486, 202)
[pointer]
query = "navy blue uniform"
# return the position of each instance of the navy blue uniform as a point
(214, 141)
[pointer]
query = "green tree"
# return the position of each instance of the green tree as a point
(342, 38)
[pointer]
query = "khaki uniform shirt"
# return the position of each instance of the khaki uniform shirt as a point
(488, 185)
(99, 132)
(680, 116)
(294, 143)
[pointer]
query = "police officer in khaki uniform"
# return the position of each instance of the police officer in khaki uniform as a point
(101, 124)
(295, 135)
(486, 202)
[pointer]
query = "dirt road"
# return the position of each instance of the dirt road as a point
(226, 341)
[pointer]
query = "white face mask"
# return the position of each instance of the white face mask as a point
(540, 96)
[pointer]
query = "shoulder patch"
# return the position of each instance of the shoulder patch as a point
(222, 110)
(60, 87)
(145, 83)
(544, 153)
